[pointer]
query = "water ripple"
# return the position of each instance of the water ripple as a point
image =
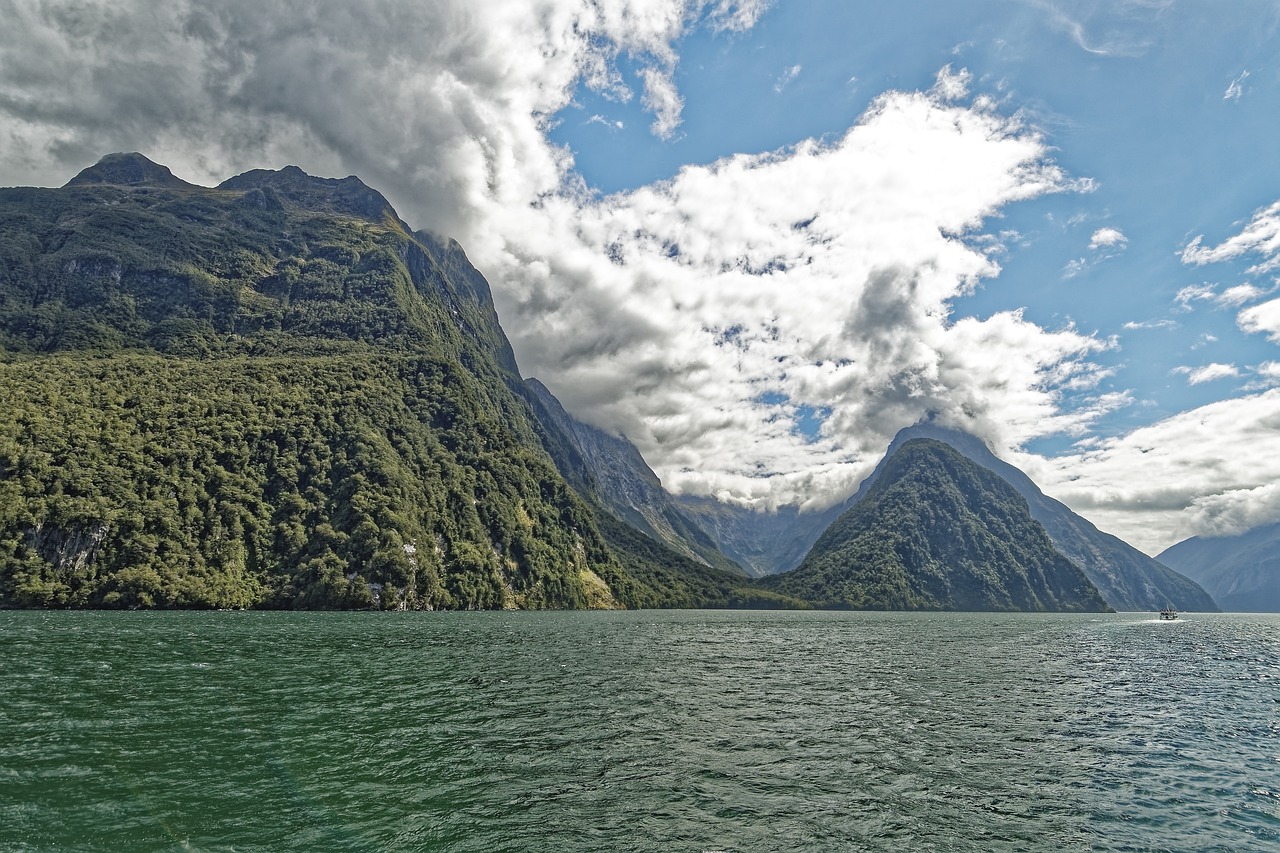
(638, 731)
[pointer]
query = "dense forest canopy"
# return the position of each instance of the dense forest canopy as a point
(273, 393)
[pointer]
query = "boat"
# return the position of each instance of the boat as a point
(1169, 612)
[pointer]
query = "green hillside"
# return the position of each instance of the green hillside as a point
(938, 532)
(271, 393)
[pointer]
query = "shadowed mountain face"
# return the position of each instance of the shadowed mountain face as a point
(1127, 578)
(764, 543)
(612, 468)
(936, 531)
(1241, 572)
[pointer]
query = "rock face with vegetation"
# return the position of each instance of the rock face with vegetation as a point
(274, 393)
(1128, 579)
(614, 470)
(936, 531)
(1242, 572)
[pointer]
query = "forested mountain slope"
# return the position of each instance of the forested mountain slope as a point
(271, 393)
(936, 531)
(1127, 578)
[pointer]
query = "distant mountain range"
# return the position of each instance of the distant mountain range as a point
(1242, 572)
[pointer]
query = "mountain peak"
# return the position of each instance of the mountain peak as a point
(128, 170)
(937, 531)
(350, 195)
(1127, 578)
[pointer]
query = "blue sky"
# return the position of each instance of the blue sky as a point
(1167, 107)
(759, 237)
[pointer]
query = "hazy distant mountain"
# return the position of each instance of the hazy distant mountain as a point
(1241, 572)
(764, 543)
(937, 531)
(1127, 578)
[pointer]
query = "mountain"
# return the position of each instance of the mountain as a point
(937, 531)
(669, 555)
(1127, 578)
(764, 543)
(1242, 572)
(612, 468)
(274, 393)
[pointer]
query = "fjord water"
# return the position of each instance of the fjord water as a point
(662, 731)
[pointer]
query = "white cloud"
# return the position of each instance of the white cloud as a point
(1236, 89)
(663, 99)
(1269, 370)
(612, 124)
(1104, 244)
(1234, 511)
(1239, 294)
(1162, 483)
(1133, 325)
(1261, 236)
(952, 85)
(1105, 238)
(1264, 376)
(1208, 373)
(787, 76)
(1264, 318)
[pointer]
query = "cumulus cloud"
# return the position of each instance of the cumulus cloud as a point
(1176, 478)
(1208, 373)
(1106, 238)
(1235, 511)
(821, 274)
(952, 85)
(1104, 244)
(1263, 319)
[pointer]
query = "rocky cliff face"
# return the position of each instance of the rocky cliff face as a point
(613, 469)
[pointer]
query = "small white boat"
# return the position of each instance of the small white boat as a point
(1169, 612)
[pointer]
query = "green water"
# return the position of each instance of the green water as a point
(646, 731)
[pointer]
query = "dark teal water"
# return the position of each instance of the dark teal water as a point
(644, 731)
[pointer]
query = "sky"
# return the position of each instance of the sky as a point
(759, 237)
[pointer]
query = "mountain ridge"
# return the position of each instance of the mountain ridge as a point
(1242, 572)
(274, 393)
(937, 531)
